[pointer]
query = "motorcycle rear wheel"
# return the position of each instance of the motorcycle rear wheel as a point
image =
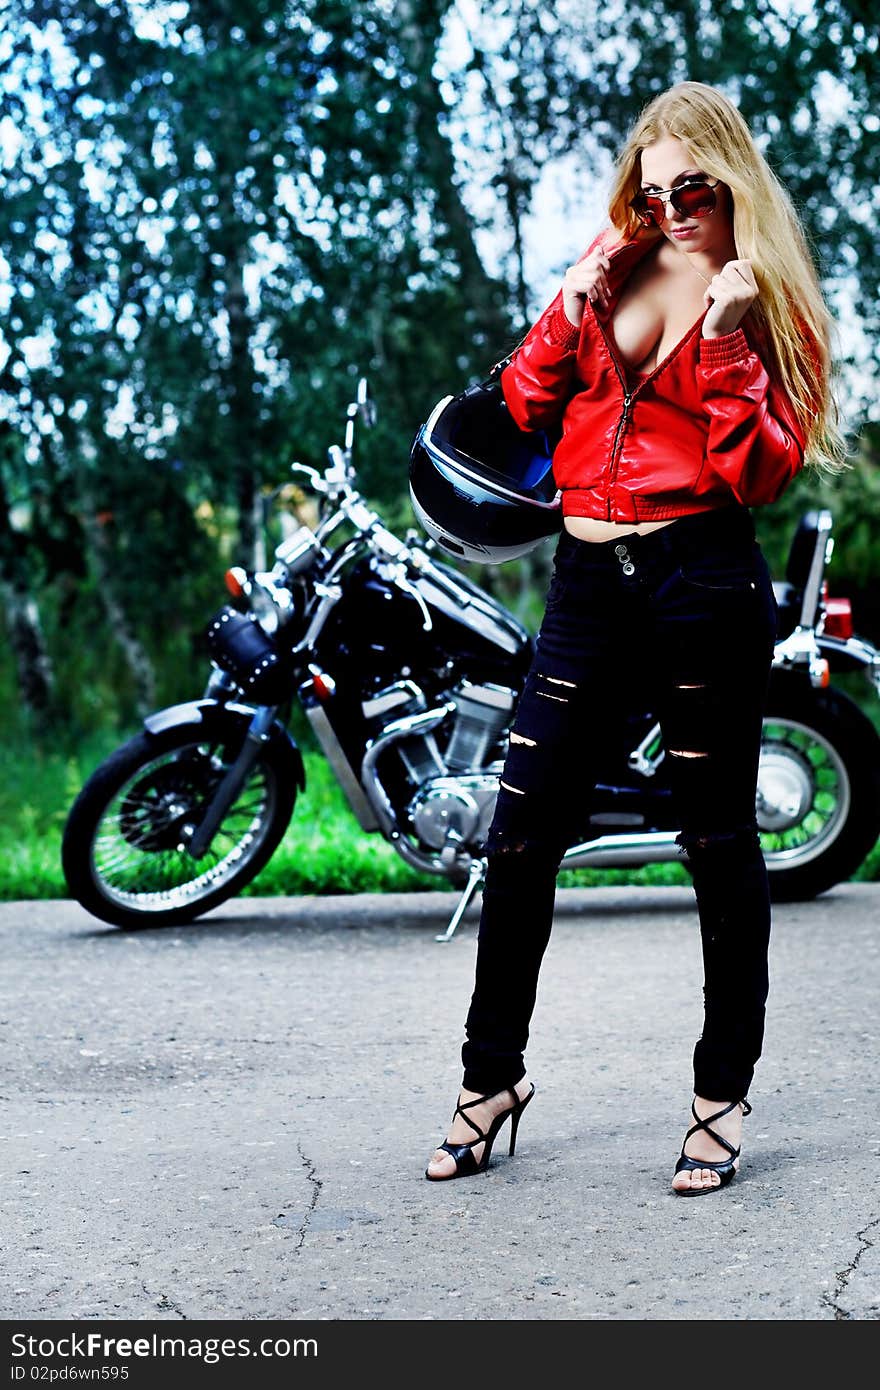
(818, 790)
(123, 851)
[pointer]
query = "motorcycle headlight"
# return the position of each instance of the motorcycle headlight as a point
(269, 604)
(268, 596)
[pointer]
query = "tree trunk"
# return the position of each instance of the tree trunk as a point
(36, 684)
(136, 657)
(243, 424)
(418, 31)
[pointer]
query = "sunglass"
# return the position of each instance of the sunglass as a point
(696, 198)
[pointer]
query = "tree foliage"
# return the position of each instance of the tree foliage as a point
(217, 213)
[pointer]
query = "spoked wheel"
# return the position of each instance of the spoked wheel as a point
(818, 803)
(125, 851)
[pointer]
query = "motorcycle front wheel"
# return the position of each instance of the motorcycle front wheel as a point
(124, 850)
(818, 803)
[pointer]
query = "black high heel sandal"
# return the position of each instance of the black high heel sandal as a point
(463, 1154)
(725, 1167)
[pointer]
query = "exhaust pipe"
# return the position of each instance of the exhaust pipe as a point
(410, 724)
(616, 851)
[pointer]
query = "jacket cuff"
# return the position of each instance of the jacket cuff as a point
(725, 351)
(560, 331)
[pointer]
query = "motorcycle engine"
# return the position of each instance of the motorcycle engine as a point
(458, 782)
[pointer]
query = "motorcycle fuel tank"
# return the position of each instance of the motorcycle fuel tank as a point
(376, 615)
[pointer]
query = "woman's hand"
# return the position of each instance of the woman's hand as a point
(729, 295)
(586, 279)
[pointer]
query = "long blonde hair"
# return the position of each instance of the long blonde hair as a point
(789, 315)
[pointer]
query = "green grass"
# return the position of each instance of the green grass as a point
(36, 789)
(324, 850)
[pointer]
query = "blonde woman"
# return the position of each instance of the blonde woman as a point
(686, 360)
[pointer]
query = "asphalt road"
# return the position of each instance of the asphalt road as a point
(231, 1120)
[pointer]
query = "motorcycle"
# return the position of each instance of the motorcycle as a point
(408, 674)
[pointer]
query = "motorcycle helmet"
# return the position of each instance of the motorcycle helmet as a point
(481, 487)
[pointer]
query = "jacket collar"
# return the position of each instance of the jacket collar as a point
(625, 255)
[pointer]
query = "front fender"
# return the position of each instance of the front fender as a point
(207, 712)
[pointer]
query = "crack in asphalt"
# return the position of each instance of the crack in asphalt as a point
(311, 1174)
(843, 1275)
(165, 1304)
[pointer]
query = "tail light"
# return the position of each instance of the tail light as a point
(838, 618)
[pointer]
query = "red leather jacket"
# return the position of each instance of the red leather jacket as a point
(706, 426)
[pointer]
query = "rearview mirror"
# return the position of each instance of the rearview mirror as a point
(366, 404)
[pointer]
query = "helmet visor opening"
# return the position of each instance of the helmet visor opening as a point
(481, 430)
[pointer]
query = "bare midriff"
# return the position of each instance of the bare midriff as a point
(586, 528)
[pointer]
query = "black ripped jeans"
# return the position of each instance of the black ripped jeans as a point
(686, 617)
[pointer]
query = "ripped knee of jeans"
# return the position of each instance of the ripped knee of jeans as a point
(740, 841)
(504, 844)
(528, 846)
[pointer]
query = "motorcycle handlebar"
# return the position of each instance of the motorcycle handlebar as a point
(337, 483)
(312, 474)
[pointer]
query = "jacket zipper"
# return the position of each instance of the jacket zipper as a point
(629, 397)
(621, 426)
